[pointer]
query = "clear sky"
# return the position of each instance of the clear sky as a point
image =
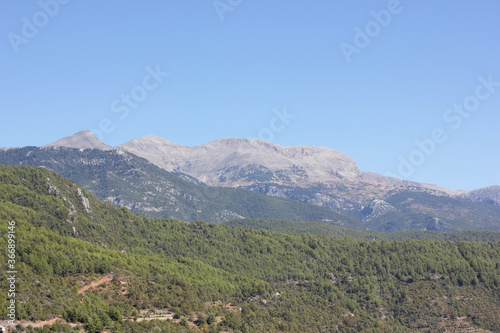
(407, 88)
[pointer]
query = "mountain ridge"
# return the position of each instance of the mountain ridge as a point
(124, 179)
(81, 140)
(312, 175)
(216, 163)
(85, 139)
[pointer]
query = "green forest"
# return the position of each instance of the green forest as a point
(318, 228)
(230, 278)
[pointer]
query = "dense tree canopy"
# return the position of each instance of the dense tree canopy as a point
(294, 282)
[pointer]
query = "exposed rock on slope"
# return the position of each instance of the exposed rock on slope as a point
(316, 175)
(436, 189)
(241, 162)
(489, 194)
(376, 209)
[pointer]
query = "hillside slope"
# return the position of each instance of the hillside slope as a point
(281, 282)
(318, 228)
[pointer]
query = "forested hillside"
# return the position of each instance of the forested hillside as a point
(318, 228)
(440, 213)
(275, 282)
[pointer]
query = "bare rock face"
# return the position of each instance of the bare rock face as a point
(395, 182)
(83, 140)
(377, 208)
(241, 162)
(85, 201)
(315, 175)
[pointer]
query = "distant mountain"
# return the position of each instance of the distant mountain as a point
(242, 162)
(83, 139)
(489, 194)
(124, 179)
(419, 210)
(323, 177)
(313, 175)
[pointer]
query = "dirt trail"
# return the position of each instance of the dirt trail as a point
(81, 291)
(39, 323)
(94, 284)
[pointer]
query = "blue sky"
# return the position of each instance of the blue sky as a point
(377, 80)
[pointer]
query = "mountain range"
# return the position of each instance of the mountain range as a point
(317, 176)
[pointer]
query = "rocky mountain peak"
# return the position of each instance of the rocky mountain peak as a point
(83, 139)
(317, 175)
(237, 162)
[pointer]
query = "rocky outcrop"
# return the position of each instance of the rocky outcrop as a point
(85, 201)
(489, 194)
(395, 182)
(377, 208)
